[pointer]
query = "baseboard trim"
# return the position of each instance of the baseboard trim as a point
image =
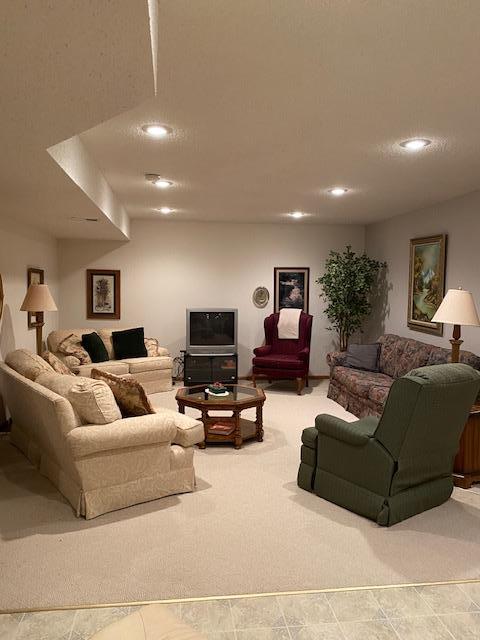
(313, 376)
(140, 603)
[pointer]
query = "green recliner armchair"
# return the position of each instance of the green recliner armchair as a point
(390, 468)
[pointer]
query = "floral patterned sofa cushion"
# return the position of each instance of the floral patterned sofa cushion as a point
(360, 382)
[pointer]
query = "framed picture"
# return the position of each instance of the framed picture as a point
(291, 287)
(426, 283)
(34, 276)
(103, 294)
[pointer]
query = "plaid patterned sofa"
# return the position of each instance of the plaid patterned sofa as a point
(364, 393)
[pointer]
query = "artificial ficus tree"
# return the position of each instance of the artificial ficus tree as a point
(346, 287)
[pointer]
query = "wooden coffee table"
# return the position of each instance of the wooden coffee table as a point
(238, 399)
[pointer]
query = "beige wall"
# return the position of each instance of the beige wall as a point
(169, 266)
(389, 240)
(20, 248)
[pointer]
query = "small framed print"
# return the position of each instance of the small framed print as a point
(34, 276)
(103, 294)
(426, 283)
(291, 287)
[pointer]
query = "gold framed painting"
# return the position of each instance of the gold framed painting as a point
(426, 283)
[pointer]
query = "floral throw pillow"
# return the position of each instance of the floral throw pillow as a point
(72, 346)
(151, 345)
(56, 364)
(129, 394)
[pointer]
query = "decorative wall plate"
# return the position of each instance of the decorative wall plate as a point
(261, 297)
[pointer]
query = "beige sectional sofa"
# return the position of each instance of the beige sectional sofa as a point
(154, 373)
(97, 467)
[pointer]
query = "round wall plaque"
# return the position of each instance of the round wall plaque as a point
(260, 297)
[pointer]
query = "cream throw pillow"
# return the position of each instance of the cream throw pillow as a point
(27, 364)
(94, 401)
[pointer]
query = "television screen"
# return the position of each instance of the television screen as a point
(212, 328)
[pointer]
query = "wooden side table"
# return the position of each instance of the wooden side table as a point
(466, 469)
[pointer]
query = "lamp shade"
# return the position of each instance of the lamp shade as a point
(38, 298)
(459, 308)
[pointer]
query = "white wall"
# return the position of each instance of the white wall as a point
(169, 266)
(20, 248)
(389, 240)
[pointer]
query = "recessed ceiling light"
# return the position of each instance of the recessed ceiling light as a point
(156, 130)
(165, 210)
(415, 144)
(296, 214)
(163, 184)
(160, 183)
(337, 191)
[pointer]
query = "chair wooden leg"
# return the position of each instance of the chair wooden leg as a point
(254, 380)
(269, 381)
(306, 380)
(299, 386)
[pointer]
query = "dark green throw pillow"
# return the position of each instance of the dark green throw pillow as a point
(93, 345)
(129, 344)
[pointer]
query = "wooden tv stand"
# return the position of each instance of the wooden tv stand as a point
(210, 367)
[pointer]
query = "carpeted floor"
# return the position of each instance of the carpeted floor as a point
(247, 529)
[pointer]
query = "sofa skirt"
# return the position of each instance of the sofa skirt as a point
(97, 501)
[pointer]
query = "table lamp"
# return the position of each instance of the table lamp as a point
(38, 300)
(457, 308)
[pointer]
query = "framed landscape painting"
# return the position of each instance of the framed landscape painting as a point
(291, 287)
(426, 283)
(103, 294)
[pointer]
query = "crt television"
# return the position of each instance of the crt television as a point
(212, 331)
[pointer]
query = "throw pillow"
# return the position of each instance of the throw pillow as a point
(25, 362)
(94, 346)
(151, 345)
(94, 401)
(129, 343)
(129, 394)
(363, 356)
(71, 362)
(72, 346)
(56, 364)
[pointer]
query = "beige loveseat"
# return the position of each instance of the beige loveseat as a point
(97, 467)
(154, 373)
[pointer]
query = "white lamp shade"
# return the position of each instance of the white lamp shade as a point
(457, 307)
(38, 298)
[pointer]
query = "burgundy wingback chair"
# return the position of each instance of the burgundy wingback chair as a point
(284, 359)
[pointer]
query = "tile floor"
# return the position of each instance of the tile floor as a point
(440, 612)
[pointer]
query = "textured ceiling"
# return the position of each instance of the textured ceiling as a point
(272, 102)
(66, 65)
